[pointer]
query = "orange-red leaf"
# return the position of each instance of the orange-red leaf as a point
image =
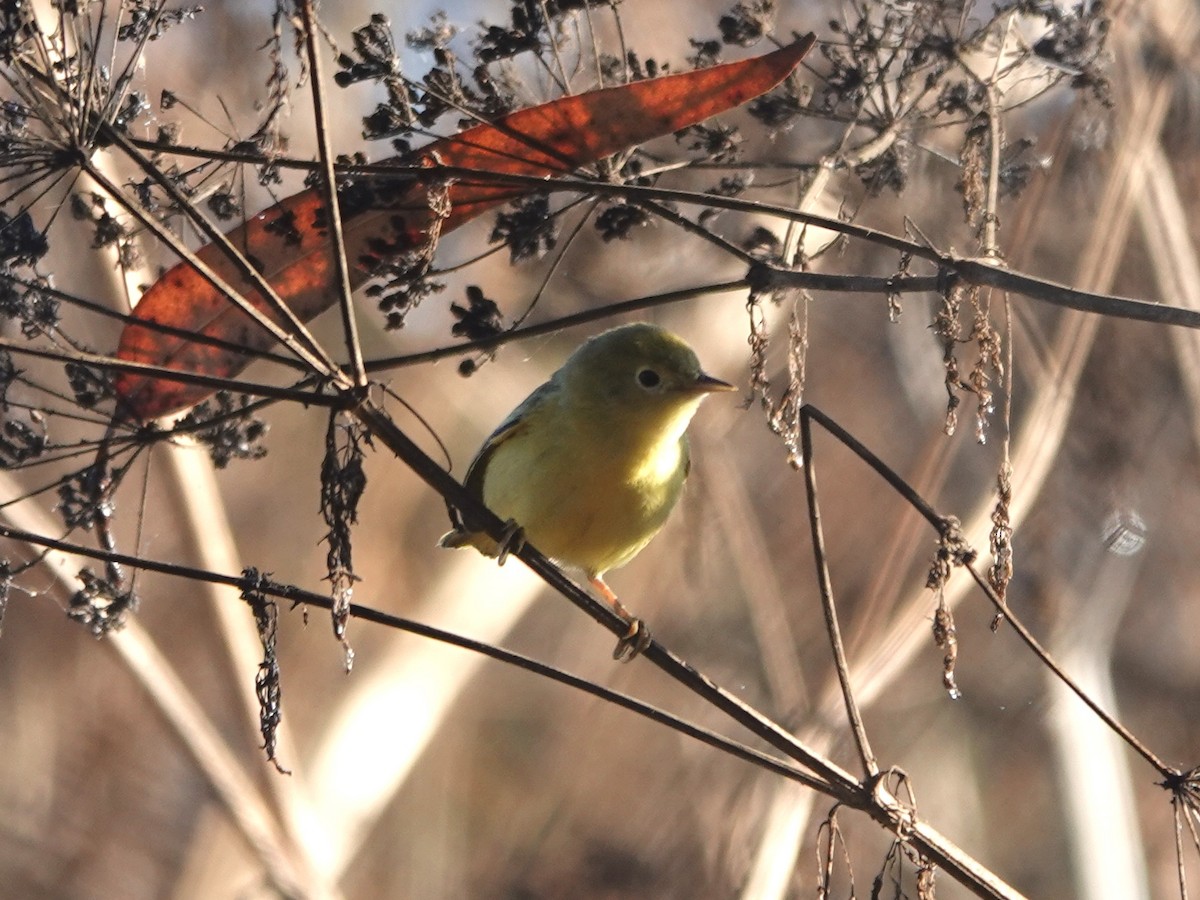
(289, 244)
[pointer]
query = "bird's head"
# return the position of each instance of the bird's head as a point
(639, 373)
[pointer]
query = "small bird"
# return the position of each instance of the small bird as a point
(588, 467)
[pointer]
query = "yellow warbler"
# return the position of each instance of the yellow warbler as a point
(591, 463)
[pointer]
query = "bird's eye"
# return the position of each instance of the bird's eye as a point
(648, 378)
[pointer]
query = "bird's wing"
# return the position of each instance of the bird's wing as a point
(516, 422)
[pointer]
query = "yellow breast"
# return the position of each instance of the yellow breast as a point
(588, 497)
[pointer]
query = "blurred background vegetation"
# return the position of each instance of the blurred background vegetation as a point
(132, 764)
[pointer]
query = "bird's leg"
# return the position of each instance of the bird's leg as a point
(511, 541)
(637, 638)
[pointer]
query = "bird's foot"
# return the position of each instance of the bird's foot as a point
(511, 541)
(636, 640)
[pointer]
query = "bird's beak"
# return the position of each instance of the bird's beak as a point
(706, 384)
